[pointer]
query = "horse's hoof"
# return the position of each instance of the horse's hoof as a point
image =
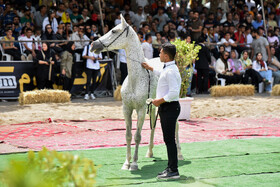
(133, 167)
(180, 157)
(149, 155)
(125, 167)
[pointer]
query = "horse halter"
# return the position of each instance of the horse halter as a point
(126, 29)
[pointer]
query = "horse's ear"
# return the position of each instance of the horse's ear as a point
(123, 22)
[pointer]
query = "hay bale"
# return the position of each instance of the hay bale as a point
(44, 96)
(117, 93)
(276, 90)
(232, 90)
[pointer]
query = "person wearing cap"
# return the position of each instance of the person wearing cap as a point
(75, 16)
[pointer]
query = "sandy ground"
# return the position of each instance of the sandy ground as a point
(106, 108)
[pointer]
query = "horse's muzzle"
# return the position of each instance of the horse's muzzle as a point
(97, 47)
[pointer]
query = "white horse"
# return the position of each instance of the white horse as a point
(138, 86)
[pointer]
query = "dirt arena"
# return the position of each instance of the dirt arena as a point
(106, 108)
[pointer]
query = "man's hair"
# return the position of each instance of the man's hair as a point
(148, 36)
(169, 49)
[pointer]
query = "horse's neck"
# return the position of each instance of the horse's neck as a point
(135, 56)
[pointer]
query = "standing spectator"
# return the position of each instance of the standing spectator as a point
(28, 17)
(147, 47)
(9, 47)
(67, 61)
(75, 16)
(123, 64)
(157, 44)
(9, 14)
(39, 16)
(138, 18)
(228, 42)
(260, 66)
(260, 44)
(274, 66)
(162, 17)
(249, 37)
(271, 21)
(92, 70)
(50, 20)
(202, 67)
(45, 61)
(259, 22)
(84, 15)
(80, 35)
(195, 26)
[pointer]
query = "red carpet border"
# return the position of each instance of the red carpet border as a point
(81, 134)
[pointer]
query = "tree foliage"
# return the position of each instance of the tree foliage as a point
(50, 168)
(187, 53)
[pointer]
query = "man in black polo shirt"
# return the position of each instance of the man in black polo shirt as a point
(168, 90)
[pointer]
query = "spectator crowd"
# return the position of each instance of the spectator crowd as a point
(232, 33)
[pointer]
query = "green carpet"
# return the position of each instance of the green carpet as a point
(253, 162)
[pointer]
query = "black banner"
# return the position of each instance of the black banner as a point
(16, 77)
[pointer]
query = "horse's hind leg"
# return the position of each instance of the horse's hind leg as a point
(137, 137)
(128, 121)
(180, 156)
(149, 153)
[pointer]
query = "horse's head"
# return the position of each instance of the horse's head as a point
(116, 38)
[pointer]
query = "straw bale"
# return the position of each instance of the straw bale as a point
(44, 96)
(117, 93)
(232, 90)
(276, 90)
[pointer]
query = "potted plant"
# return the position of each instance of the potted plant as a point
(187, 53)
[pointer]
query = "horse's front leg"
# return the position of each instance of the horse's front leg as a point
(141, 112)
(180, 156)
(127, 111)
(149, 153)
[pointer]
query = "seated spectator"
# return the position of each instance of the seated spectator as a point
(223, 70)
(274, 66)
(157, 44)
(84, 15)
(29, 47)
(65, 18)
(51, 20)
(67, 61)
(45, 61)
(75, 16)
(272, 38)
(247, 64)
(80, 35)
(9, 47)
(260, 66)
(37, 36)
(49, 35)
(271, 22)
(258, 23)
(8, 14)
(92, 70)
(235, 64)
(17, 24)
(89, 33)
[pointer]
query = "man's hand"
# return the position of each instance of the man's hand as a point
(147, 66)
(158, 102)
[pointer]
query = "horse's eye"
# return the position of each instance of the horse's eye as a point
(113, 31)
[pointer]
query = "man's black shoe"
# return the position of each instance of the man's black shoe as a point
(164, 171)
(169, 175)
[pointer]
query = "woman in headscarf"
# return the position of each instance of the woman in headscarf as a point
(67, 61)
(49, 35)
(51, 20)
(223, 70)
(249, 71)
(236, 65)
(260, 66)
(45, 61)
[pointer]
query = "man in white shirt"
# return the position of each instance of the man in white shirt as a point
(148, 47)
(92, 70)
(228, 42)
(29, 47)
(80, 35)
(168, 90)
